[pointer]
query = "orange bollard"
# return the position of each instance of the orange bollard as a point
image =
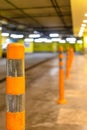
(72, 55)
(61, 99)
(70, 59)
(68, 63)
(15, 88)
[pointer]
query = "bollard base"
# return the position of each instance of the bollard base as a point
(61, 101)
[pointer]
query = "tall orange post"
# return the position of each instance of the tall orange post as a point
(61, 99)
(15, 88)
(71, 55)
(68, 63)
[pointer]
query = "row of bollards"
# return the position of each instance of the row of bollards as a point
(69, 60)
(15, 84)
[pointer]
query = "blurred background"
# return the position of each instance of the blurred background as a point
(43, 26)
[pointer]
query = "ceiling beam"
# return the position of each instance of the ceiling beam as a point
(29, 8)
(41, 15)
(23, 12)
(58, 11)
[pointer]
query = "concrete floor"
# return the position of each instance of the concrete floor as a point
(30, 60)
(42, 112)
(45, 114)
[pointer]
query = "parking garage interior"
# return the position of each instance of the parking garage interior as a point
(53, 35)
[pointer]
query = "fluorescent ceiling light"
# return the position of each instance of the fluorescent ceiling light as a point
(37, 40)
(5, 34)
(34, 35)
(45, 40)
(56, 39)
(83, 25)
(54, 35)
(82, 28)
(79, 41)
(81, 31)
(17, 35)
(62, 41)
(0, 28)
(28, 40)
(80, 34)
(35, 32)
(71, 42)
(85, 14)
(42, 39)
(70, 39)
(84, 21)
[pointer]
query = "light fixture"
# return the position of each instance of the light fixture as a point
(83, 25)
(40, 40)
(84, 21)
(85, 14)
(79, 41)
(28, 40)
(43, 39)
(71, 42)
(56, 39)
(82, 28)
(17, 35)
(35, 32)
(53, 34)
(62, 41)
(5, 34)
(48, 40)
(80, 34)
(37, 40)
(81, 31)
(70, 39)
(0, 28)
(34, 35)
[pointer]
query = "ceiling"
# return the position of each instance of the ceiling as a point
(78, 8)
(44, 16)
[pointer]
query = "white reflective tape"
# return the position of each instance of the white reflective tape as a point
(15, 103)
(15, 68)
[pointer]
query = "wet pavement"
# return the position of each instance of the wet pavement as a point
(42, 111)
